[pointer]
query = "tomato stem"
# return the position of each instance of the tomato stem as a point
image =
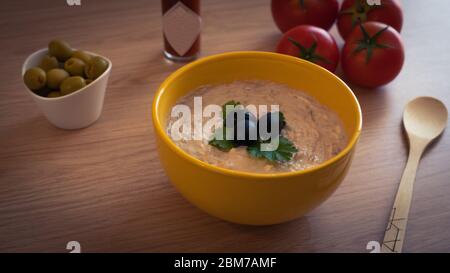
(309, 54)
(359, 11)
(301, 3)
(369, 43)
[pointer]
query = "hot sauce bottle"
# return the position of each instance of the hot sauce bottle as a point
(181, 29)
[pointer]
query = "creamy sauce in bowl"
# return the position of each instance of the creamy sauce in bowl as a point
(316, 131)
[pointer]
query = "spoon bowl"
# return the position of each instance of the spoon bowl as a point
(425, 117)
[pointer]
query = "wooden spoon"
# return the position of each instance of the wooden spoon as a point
(424, 118)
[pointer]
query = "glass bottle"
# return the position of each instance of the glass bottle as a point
(181, 29)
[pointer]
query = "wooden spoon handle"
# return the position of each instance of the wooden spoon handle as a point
(395, 231)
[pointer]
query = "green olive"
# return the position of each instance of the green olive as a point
(49, 62)
(75, 67)
(55, 77)
(96, 67)
(82, 55)
(54, 94)
(35, 78)
(72, 84)
(60, 49)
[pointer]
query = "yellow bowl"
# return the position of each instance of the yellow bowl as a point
(250, 198)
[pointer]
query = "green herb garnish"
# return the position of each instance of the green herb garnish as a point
(224, 108)
(222, 144)
(282, 120)
(283, 153)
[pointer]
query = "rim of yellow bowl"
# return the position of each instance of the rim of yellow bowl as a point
(248, 54)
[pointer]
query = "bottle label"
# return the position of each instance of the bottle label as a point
(181, 27)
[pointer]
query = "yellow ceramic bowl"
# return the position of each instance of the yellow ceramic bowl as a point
(243, 197)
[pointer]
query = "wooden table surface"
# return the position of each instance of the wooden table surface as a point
(104, 186)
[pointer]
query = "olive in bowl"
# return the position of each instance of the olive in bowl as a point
(60, 49)
(48, 63)
(35, 78)
(75, 66)
(50, 72)
(96, 66)
(55, 77)
(73, 105)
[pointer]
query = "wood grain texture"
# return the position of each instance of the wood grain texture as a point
(104, 187)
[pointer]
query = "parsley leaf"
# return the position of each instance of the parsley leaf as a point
(223, 144)
(282, 120)
(283, 153)
(224, 108)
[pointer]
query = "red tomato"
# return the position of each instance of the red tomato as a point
(312, 44)
(354, 12)
(290, 13)
(373, 55)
